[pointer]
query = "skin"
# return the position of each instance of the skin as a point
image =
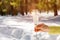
(41, 27)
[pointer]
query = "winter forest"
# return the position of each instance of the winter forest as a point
(12, 7)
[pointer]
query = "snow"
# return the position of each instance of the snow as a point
(27, 24)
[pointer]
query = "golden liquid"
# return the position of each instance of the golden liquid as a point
(54, 30)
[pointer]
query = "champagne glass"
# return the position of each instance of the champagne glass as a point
(35, 20)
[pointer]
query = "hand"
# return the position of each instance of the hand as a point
(41, 27)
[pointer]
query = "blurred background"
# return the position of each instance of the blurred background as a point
(13, 7)
(14, 27)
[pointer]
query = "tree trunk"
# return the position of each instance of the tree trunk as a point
(55, 10)
(26, 6)
(22, 8)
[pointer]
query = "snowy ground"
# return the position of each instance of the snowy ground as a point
(22, 27)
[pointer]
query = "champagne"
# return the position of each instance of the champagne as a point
(54, 30)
